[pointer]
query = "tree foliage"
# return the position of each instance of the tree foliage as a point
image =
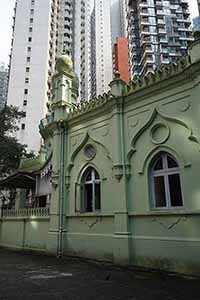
(10, 149)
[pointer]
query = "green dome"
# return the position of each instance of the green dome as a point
(64, 64)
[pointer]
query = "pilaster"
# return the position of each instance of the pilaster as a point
(121, 249)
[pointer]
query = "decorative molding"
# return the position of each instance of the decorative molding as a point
(182, 160)
(103, 128)
(90, 164)
(185, 106)
(156, 112)
(55, 179)
(67, 181)
(133, 120)
(74, 139)
(90, 151)
(164, 135)
(80, 146)
(84, 141)
(134, 123)
(196, 80)
(118, 171)
(167, 225)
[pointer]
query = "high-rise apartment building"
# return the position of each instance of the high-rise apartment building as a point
(123, 17)
(42, 30)
(115, 12)
(82, 47)
(93, 81)
(74, 33)
(3, 85)
(103, 70)
(158, 31)
(108, 22)
(34, 47)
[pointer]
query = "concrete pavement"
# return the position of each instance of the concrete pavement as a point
(34, 277)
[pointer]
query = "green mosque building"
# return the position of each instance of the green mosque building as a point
(117, 178)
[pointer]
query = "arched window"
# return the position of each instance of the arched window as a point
(91, 191)
(166, 185)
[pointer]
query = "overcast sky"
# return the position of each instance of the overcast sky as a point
(6, 13)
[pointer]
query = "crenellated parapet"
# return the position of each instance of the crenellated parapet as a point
(65, 85)
(165, 72)
(93, 104)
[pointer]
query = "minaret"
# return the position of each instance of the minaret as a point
(64, 92)
(65, 84)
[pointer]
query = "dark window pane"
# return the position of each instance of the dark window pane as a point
(88, 197)
(42, 201)
(171, 162)
(88, 176)
(97, 197)
(158, 165)
(96, 175)
(159, 189)
(175, 190)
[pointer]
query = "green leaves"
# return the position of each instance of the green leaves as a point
(10, 149)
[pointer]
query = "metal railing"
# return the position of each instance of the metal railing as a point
(26, 212)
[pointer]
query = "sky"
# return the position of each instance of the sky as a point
(6, 13)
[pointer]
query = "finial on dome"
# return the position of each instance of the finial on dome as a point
(64, 64)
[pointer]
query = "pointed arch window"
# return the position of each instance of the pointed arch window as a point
(166, 184)
(90, 191)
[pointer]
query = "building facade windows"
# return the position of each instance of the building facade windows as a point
(159, 23)
(90, 191)
(165, 183)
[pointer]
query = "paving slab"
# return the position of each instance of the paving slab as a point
(26, 276)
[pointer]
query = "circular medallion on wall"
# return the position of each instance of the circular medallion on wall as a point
(159, 133)
(89, 151)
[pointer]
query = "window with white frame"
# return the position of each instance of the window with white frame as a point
(165, 182)
(90, 191)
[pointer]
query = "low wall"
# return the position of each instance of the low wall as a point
(24, 228)
(90, 236)
(168, 241)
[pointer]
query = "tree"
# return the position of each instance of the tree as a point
(10, 149)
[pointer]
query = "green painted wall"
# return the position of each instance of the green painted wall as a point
(128, 127)
(24, 233)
